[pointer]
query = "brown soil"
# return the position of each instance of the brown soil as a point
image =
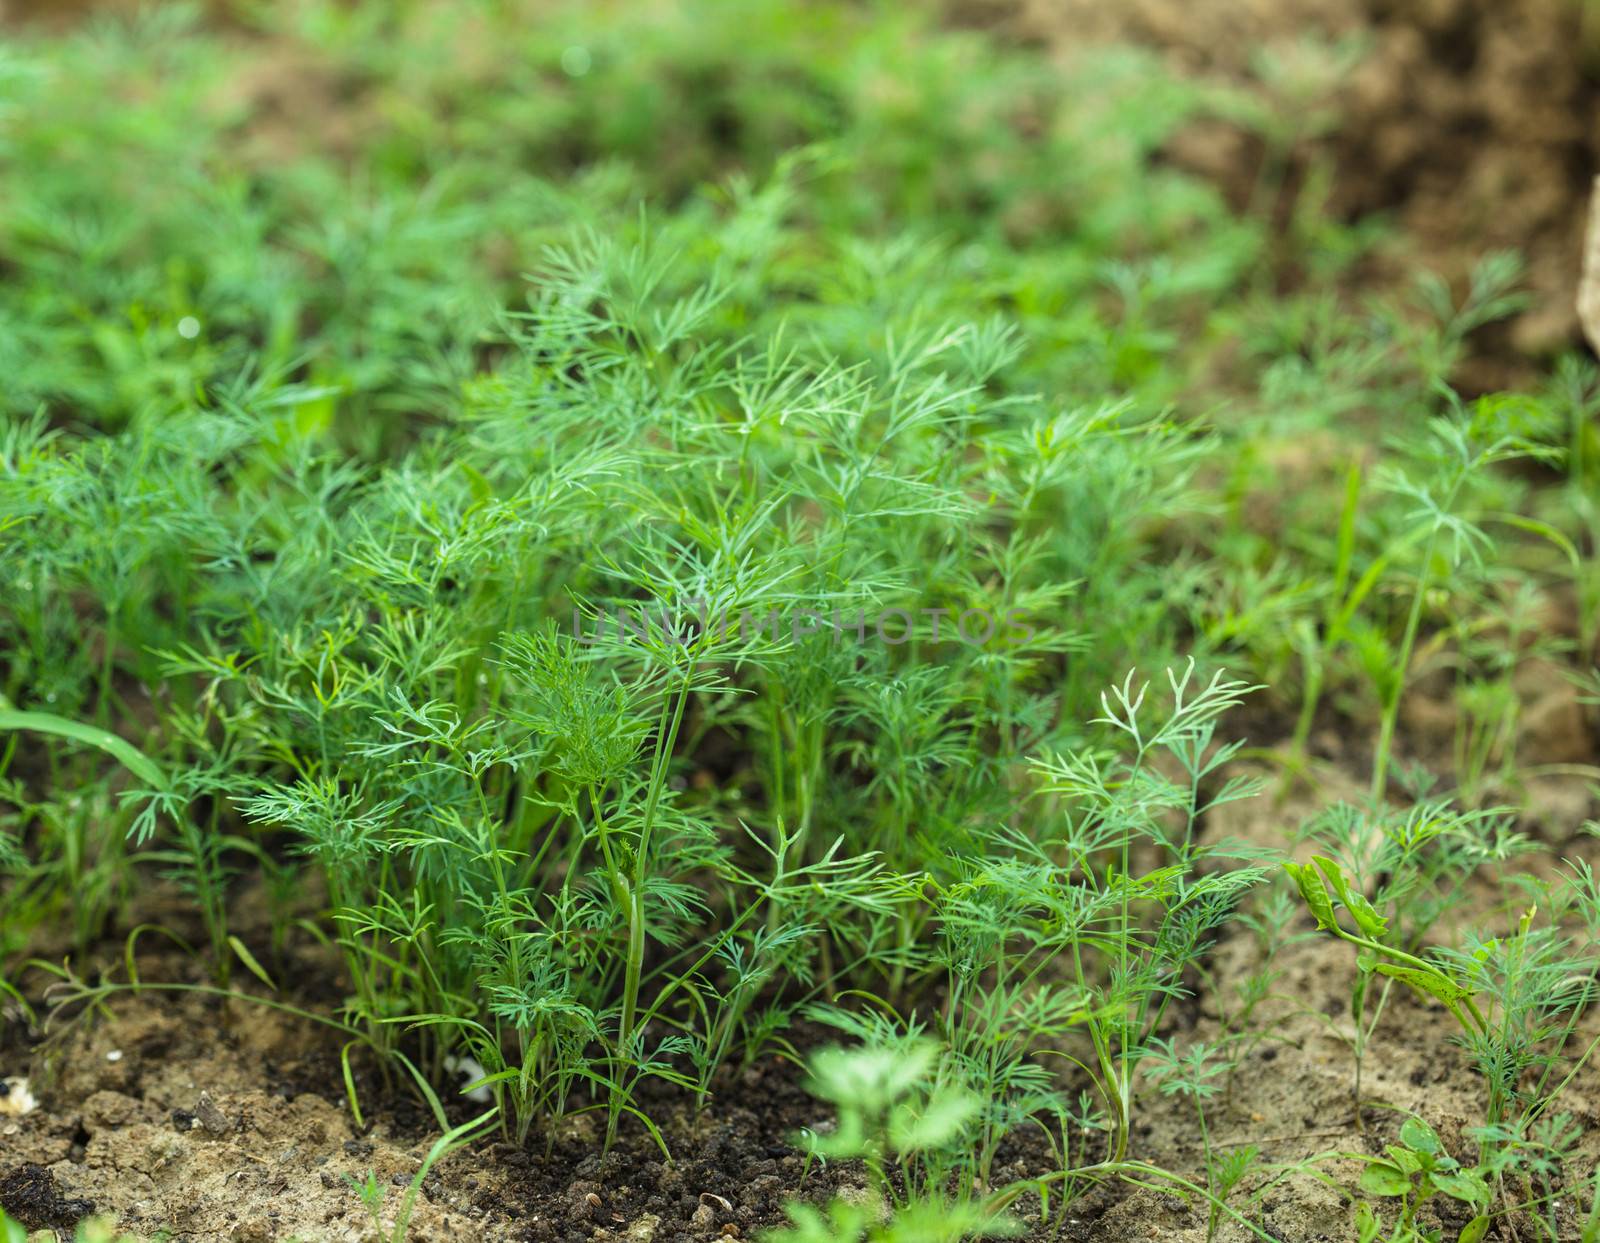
(1471, 123)
(121, 1130)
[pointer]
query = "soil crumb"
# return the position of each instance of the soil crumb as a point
(31, 1194)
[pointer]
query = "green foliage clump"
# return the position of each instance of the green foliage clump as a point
(620, 535)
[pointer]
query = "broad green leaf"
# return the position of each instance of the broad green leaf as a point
(1315, 894)
(1366, 916)
(936, 1220)
(1428, 983)
(1382, 1179)
(124, 752)
(1466, 1186)
(845, 1220)
(1371, 924)
(1420, 1137)
(937, 1123)
(1474, 1230)
(871, 1078)
(1408, 1162)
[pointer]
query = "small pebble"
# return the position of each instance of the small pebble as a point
(470, 1070)
(16, 1099)
(643, 1230)
(211, 1117)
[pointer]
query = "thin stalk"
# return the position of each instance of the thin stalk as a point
(108, 658)
(1391, 708)
(637, 932)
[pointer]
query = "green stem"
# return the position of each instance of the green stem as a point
(1421, 965)
(633, 968)
(107, 666)
(1391, 708)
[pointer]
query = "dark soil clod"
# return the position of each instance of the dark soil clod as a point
(31, 1194)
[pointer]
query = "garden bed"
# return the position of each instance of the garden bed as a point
(569, 585)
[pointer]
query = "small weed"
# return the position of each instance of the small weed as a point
(1414, 1171)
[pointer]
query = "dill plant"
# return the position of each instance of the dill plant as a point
(1433, 508)
(1413, 862)
(1075, 942)
(1145, 928)
(1517, 998)
(1458, 451)
(367, 665)
(496, 807)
